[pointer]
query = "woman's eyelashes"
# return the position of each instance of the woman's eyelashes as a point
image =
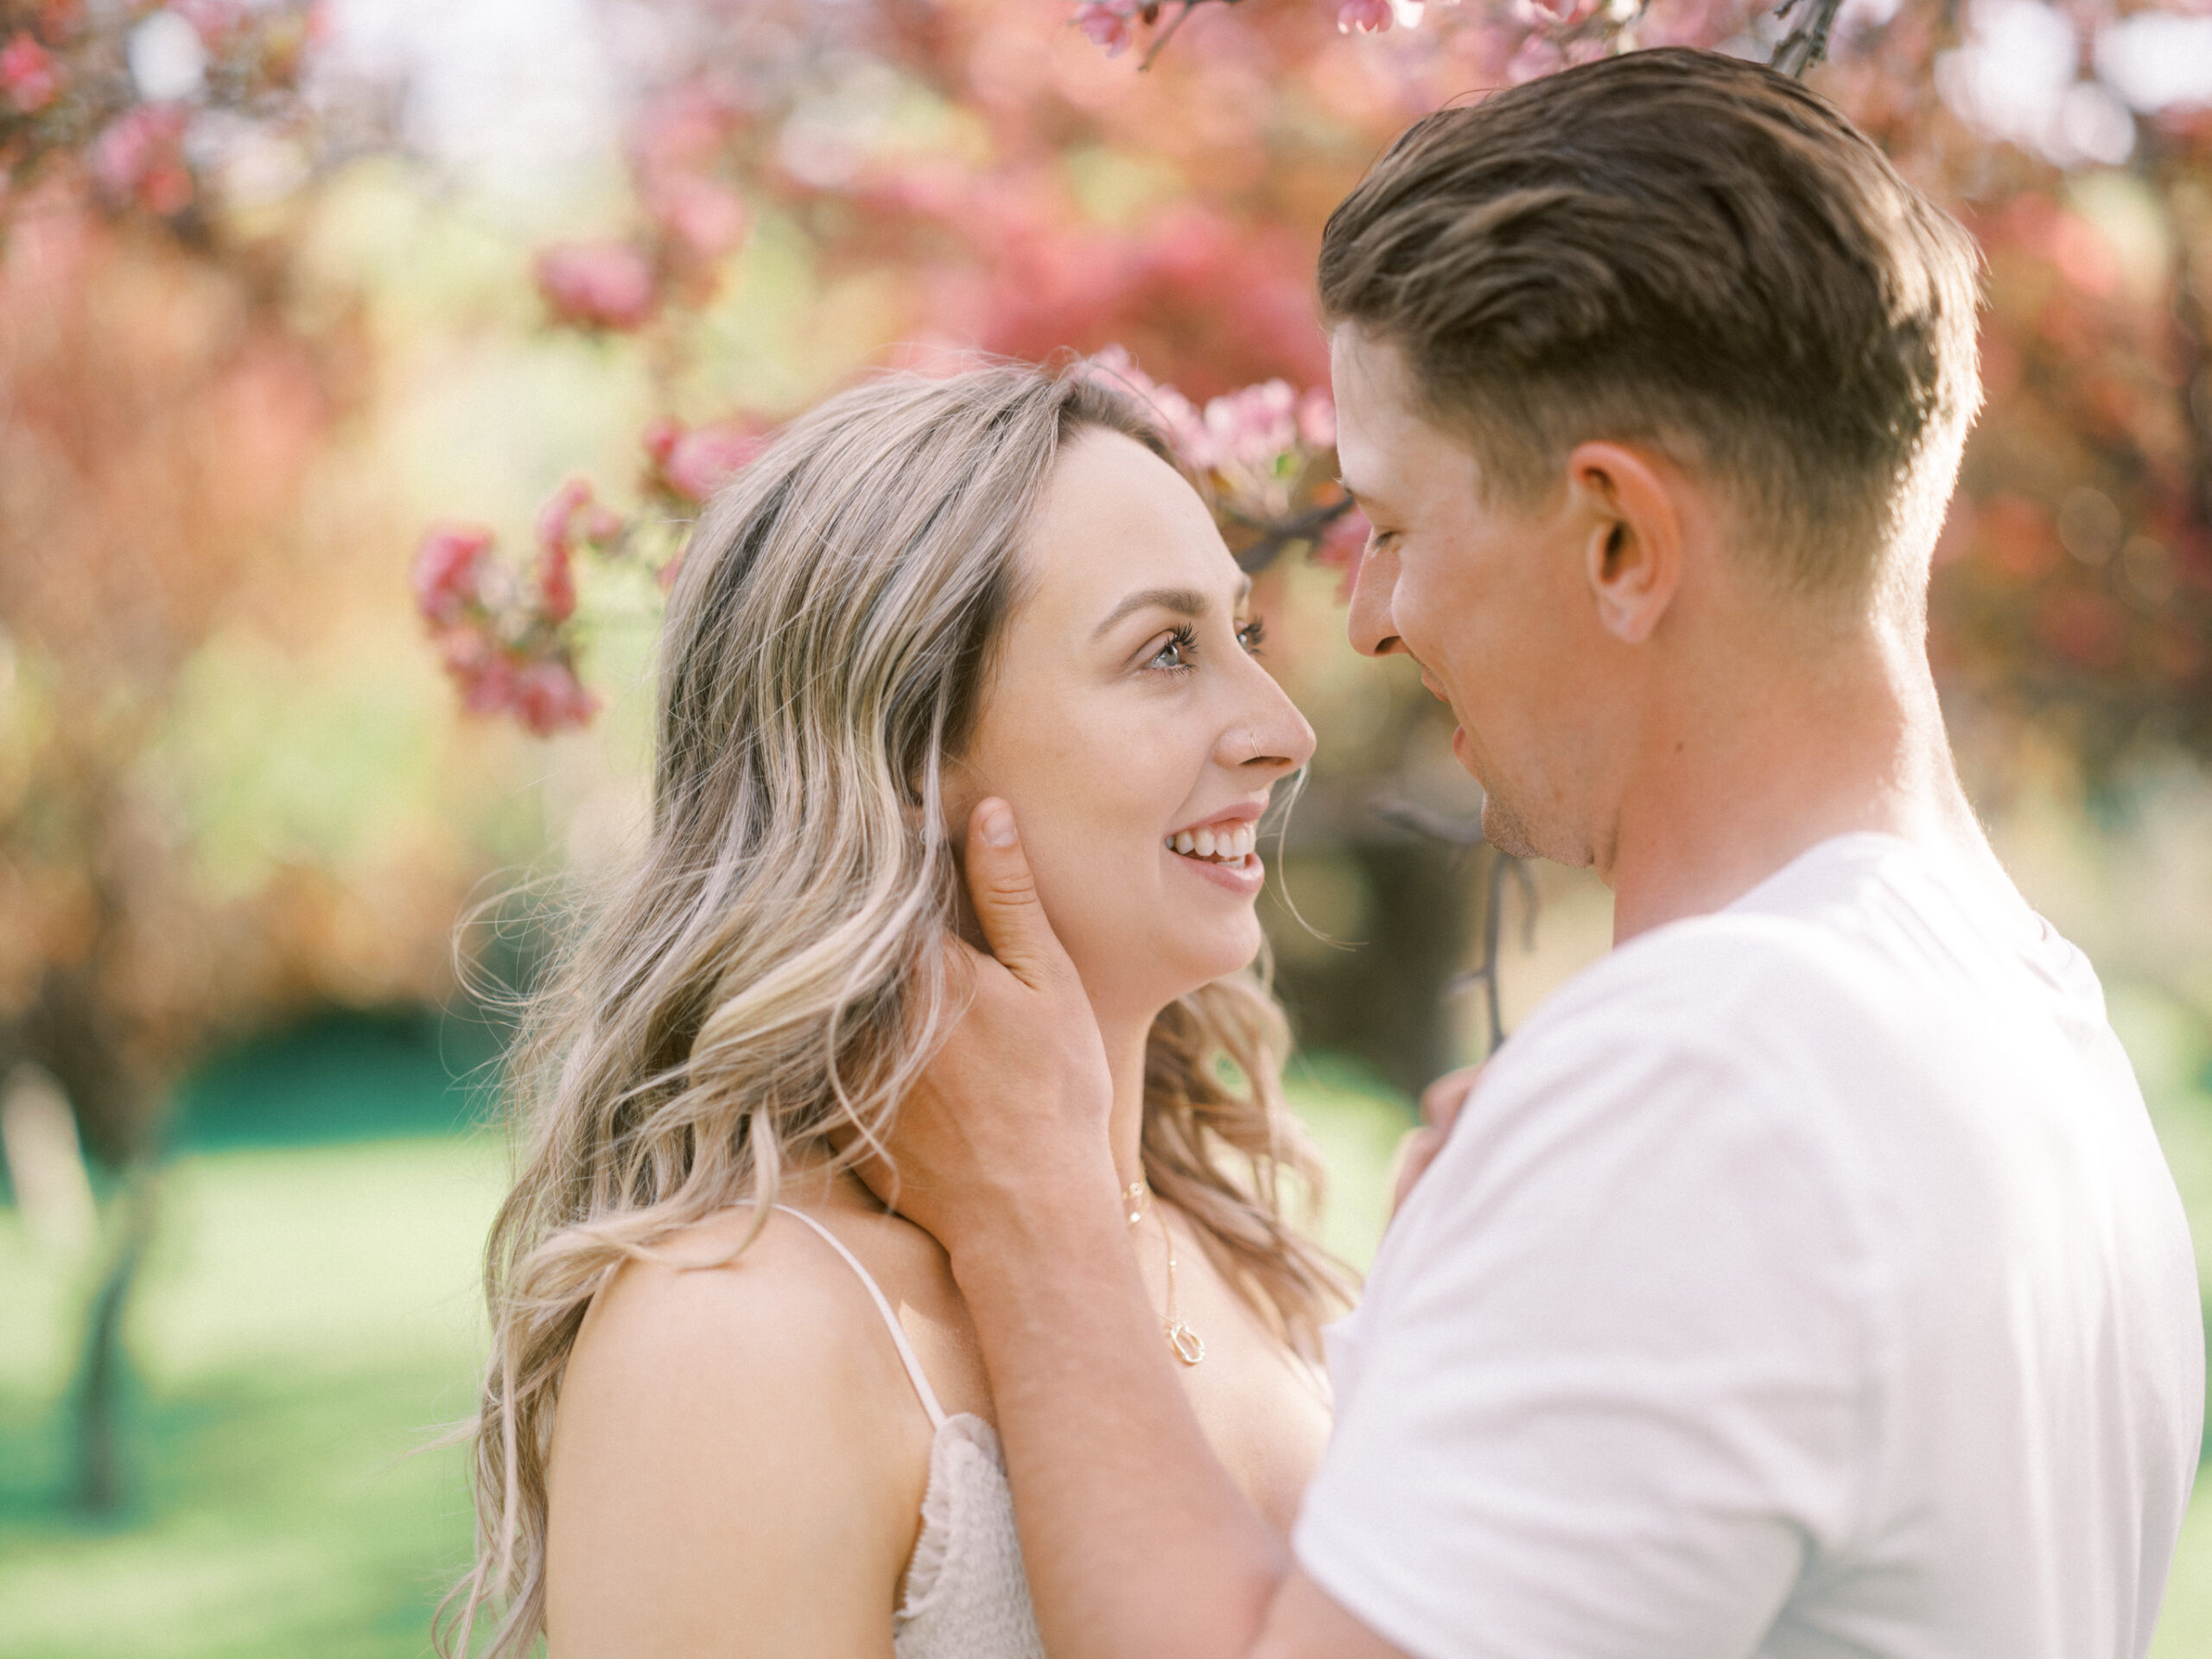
(1178, 654)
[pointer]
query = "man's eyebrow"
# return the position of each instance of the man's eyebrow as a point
(1344, 485)
(1184, 601)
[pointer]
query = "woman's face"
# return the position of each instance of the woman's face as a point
(1132, 731)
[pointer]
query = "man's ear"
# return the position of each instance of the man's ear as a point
(1633, 556)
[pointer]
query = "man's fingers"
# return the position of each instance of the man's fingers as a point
(1441, 1100)
(1005, 896)
(1417, 1150)
(1441, 1103)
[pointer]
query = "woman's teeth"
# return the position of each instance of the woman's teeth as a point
(1229, 842)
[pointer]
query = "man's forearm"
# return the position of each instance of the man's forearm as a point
(1137, 1542)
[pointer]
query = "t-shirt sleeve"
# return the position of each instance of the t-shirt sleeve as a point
(1615, 1375)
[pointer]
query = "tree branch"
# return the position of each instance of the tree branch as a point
(1306, 526)
(1808, 43)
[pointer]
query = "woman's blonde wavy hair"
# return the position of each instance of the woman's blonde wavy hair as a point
(765, 979)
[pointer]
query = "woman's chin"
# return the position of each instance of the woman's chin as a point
(1220, 953)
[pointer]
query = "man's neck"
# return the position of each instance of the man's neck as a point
(1742, 775)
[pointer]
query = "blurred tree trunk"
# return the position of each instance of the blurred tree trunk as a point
(1383, 1002)
(101, 1483)
(81, 1037)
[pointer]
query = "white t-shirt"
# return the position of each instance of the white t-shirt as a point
(1803, 1280)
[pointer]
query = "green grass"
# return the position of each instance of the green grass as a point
(307, 1321)
(306, 1324)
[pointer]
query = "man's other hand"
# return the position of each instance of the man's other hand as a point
(1439, 1109)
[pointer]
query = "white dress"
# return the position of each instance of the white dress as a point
(966, 1595)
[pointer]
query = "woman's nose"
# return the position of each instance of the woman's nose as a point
(1271, 735)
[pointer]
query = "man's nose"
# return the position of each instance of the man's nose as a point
(1369, 624)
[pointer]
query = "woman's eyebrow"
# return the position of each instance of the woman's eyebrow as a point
(1181, 601)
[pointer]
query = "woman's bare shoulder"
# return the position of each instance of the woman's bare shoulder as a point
(714, 1316)
(734, 1433)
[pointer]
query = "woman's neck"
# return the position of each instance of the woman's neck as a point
(1126, 1042)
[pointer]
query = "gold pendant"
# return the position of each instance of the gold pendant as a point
(1189, 1346)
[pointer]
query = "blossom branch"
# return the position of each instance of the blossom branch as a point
(1806, 43)
(1311, 526)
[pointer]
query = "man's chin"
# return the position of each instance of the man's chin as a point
(1505, 829)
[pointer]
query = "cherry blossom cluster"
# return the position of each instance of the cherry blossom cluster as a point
(693, 217)
(1114, 23)
(503, 639)
(113, 96)
(1524, 39)
(512, 639)
(1264, 457)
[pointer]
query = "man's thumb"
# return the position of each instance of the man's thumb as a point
(1005, 895)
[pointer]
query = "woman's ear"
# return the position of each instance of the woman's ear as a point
(1632, 557)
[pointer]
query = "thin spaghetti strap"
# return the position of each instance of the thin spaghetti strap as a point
(914, 1373)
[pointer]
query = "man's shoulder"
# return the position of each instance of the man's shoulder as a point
(1737, 1040)
(1689, 981)
(1865, 934)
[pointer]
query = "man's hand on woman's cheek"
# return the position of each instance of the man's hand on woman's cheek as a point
(1010, 1113)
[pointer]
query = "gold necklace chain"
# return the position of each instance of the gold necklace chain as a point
(1187, 1344)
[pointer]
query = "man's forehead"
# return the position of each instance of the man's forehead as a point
(1372, 366)
(1374, 424)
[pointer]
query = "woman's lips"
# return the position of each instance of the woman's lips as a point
(1243, 875)
(1225, 851)
(1225, 838)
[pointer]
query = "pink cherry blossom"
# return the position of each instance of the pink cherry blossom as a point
(213, 20)
(29, 76)
(557, 518)
(548, 696)
(1107, 23)
(541, 689)
(569, 517)
(706, 219)
(1182, 425)
(140, 157)
(1251, 428)
(556, 582)
(483, 672)
(448, 572)
(1317, 419)
(1554, 13)
(597, 285)
(692, 464)
(1537, 57)
(1369, 16)
(1342, 545)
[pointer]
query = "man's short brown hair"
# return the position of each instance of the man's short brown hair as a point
(1681, 248)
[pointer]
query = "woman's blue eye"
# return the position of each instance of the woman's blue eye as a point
(1175, 654)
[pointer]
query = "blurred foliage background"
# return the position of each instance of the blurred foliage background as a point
(280, 285)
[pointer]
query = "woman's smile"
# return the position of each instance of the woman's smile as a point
(1224, 849)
